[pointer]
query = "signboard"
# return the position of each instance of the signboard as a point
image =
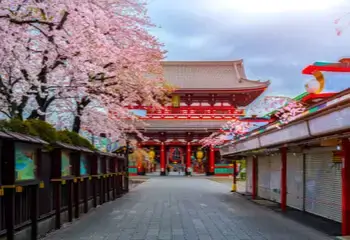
(25, 162)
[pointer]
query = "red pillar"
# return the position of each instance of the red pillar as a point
(211, 162)
(162, 159)
(254, 177)
(284, 179)
(346, 187)
(188, 160)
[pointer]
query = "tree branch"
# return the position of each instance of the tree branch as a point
(63, 20)
(20, 22)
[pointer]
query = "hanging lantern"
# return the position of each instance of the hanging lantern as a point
(151, 154)
(175, 100)
(199, 154)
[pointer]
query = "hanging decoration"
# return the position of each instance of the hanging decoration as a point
(316, 85)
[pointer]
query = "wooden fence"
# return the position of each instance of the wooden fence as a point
(59, 185)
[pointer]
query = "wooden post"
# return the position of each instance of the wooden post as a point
(69, 186)
(101, 181)
(34, 197)
(8, 179)
(113, 171)
(75, 161)
(126, 167)
(118, 182)
(34, 212)
(56, 185)
(85, 184)
(94, 179)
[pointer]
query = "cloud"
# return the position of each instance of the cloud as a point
(275, 40)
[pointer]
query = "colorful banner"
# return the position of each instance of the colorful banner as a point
(25, 157)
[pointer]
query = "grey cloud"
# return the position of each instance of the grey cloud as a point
(275, 46)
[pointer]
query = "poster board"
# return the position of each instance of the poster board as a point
(25, 161)
(66, 168)
(84, 164)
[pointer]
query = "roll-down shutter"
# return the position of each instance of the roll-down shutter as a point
(295, 183)
(249, 183)
(323, 185)
(264, 177)
(275, 178)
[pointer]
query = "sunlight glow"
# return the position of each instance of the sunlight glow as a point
(274, 6)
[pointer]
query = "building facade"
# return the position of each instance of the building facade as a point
(207, 95)
(305, 164)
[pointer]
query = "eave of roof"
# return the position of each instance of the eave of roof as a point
(202, 63)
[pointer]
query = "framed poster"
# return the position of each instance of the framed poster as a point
(83, 164)
(25, 162)
(66, 169)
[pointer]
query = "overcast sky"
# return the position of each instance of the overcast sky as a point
(276, 38)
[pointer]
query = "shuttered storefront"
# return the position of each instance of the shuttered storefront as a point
(323, 185)
(264, 177)
(275, 178)
(295, 183)
(249, 181)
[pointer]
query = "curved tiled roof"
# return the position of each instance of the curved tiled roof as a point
(226, 75)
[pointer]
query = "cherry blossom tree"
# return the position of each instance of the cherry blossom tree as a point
(290, 112)
(214, 139)
(232, 128)
(237, 127)
(88, 51)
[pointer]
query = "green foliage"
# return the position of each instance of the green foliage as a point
(63, 137)
(17, 125)
(45, 131)
(75, 139)
(243, 163)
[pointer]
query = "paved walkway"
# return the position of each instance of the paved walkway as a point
(180, 208)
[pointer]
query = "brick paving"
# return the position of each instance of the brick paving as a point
(184, 208)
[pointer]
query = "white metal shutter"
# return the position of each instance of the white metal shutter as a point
(249, 177)
(323, 185)
(295, 182)
(275, 177)
(264, 177)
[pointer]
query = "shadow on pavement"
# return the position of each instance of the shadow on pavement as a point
(326, 226)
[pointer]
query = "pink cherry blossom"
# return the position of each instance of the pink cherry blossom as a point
(290, 112)
(56, 55)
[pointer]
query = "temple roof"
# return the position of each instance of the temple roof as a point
(201, 75)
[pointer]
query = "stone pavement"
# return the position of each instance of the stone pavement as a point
(180, 208)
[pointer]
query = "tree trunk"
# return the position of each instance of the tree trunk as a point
(76, 124)
(35, 115)
(80, 108)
